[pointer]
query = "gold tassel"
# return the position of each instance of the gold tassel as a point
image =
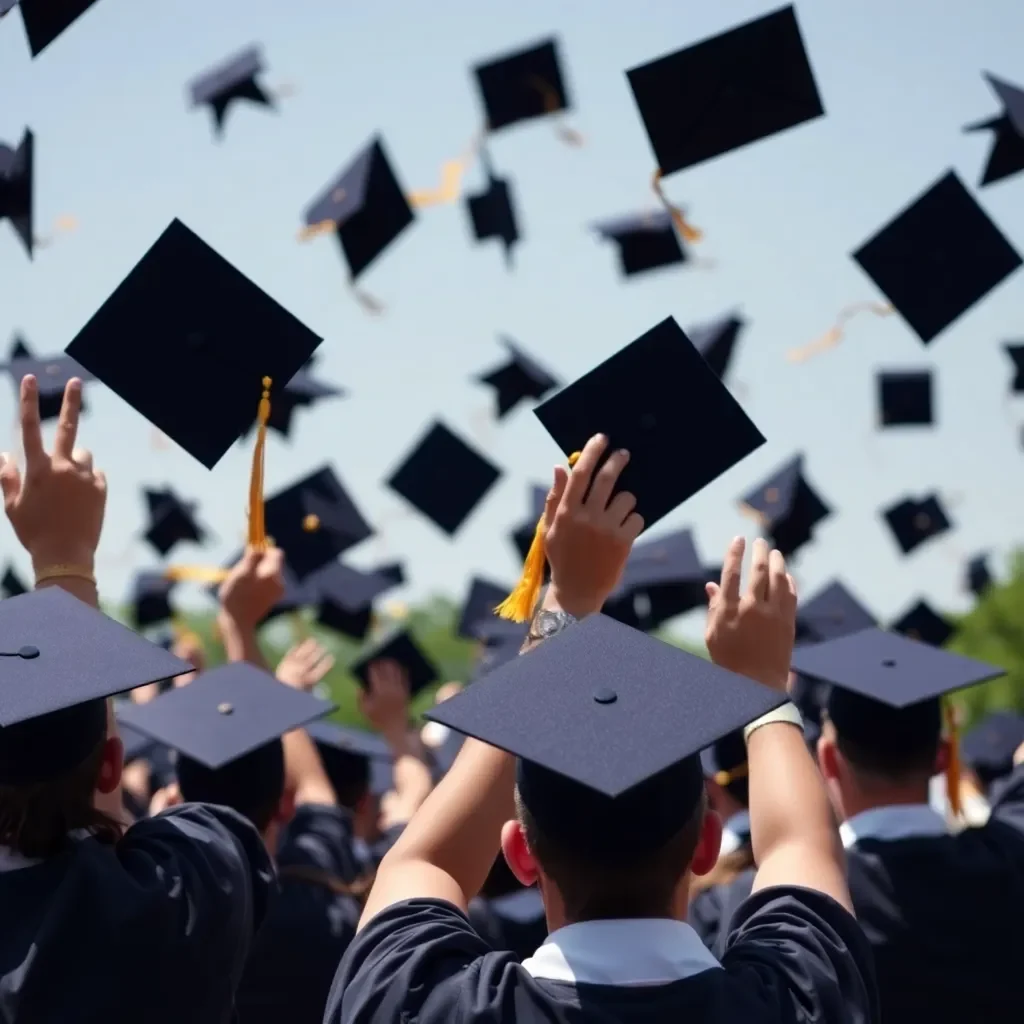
(724, 778)
(685, 228)
(519, 605)
(195, 574)
(834, 334)
(257, 539)
(310, 231)
(568, 135)
(953, 770)
(450, 189)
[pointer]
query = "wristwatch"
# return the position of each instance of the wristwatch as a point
(547, 624)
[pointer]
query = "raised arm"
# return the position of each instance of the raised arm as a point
(251, 589)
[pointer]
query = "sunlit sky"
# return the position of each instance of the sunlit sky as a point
(118, 148)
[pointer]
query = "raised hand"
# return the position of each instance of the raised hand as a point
(254, 585)
(590, 529)
(752, 633)
(386, 702)
(305, 665)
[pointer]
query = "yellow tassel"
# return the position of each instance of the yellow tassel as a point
(257, 539)
(568, 135)
(953, 771)
(519, 605)
(834, 334)
(450, 189)
(310, 231)
(195, 574)
(689, 232)
(723, 778)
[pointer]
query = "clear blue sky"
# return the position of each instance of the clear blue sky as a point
(118, 148)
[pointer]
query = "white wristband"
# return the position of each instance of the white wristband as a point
(788, 714)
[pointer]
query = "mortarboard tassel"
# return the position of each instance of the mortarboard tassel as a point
(725, 778)
(519, 605)
(684, 227)
(552, 105)
(450, 189)
(953, 772)
(257, 539)
(195, 574)
(834, 334)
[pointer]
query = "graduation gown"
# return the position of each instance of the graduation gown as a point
(153, 929)
(942, 914)
(513, 922)
(794, 955)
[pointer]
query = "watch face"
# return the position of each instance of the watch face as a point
(549, 623)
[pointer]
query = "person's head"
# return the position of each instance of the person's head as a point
(39, 808)
(873, 755)
(725, 771)
(349, 775)
(606, 858)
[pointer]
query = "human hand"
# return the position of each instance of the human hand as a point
(753, 634)
(169, 796)
(56, 507)
(304, 665)
(385, 703)
(253, 587)
(446, 691)
(589, 530)
(1018, 756)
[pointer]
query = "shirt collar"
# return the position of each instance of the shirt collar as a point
(628, 952)
(898, 821)
(735, 833)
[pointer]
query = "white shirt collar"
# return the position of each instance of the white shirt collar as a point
(735, 832)
(628, 952)
(898, 821)
(11, 860)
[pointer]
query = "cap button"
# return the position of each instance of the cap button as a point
(889, 662)
(605, 696)
(28, 652)
(225, 708)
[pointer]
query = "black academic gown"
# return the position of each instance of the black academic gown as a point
(943, 915)
(794, 955)
(514, 922)
(153, 929)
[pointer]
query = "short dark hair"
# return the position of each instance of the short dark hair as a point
(640, 887)
(891, 763)
(36, 819)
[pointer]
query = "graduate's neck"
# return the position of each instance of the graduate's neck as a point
(554, 907)
(857, 797)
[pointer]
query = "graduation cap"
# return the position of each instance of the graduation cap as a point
(233, 79)
(1006, 157)
(522, 535)
(45, 20)
(11, 584)
(492, 212)
(831, 613)
(171, 521)
(394, 571)
(989, 747)
(905, 398)
(52, 376)
(16, 189)
(979, 579)
(914, 521)
(608, 755)
(921, 622)
(727, 91)
(646, 241)
(478, 607)
(151, 599)
(365, 206)
(313, 521)
(725, 761)
(444, 478)
(787, 507)
(400, 647)
(938, 257)
(523, 85)
(19, 349)
(62, 659)
(302, 391)
(349, 755)
(716, 341)
(345, 595)
(1016, 353)
(218, 336)
(518, 379)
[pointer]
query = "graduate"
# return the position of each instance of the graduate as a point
(600, 800)
(100, 921)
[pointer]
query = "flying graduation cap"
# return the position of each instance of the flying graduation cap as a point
(400, 647)
(52, 376)
(646, 241)
(716, 341)
(45, 20)
(16, 188)
(977, 576)
(1016, 352)
(1006, 157)
(522, 535)
(301, 392)
(787, 507)
(831, 613)
(233, 79)
(905, 398)
(922, 623)
(344, 597)
(172, 520)
(916, 520)
(492, 211)
(478, 607)
(518, 379)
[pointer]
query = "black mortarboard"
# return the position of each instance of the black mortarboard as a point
(11, 583)
(646, 241)
(938, 257)
(715, 341)
(787, 507)
(52, 376)
(914, 521)
(231, 79)
(397, 646)
(345, 596)
(905, 398)
(1016, 353)
(607, 723)
(492, 211)
(478, 607)
(367, 206)
(831, 613)
(979, 579)
(218, 335)
(652, 397)
(16, 189)
(313, 521)
(171, 521)
(493, 655)
(62, 659)
(725, 761)
(151, 599)
(727, 91)
(444, 478)
(19, 349)
(225, 713)
(1007, 155)
(522, 535)
(522, 85)
(921, 622)
(46, 19)
(517, 379)
(989, 747)
(394, 571)
(348, 754)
